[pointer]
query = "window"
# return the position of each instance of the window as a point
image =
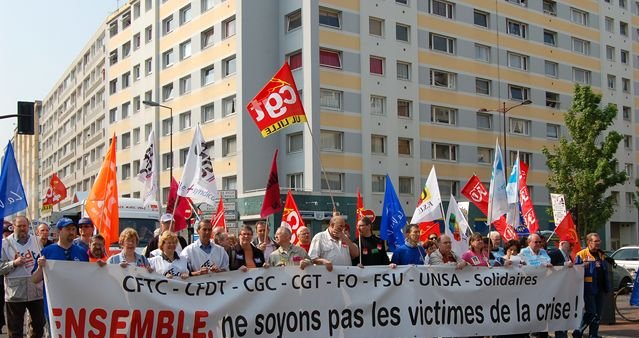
(185, 14)
(228, 28)
(623, 28)
(402, 32)
(126, 20)
(295, 60)
(126, 49)
(406, 185)
(484, 155)
(125, 110)
(331, 140)
(185, 49)
(517, 28)
(126, 80)
(378, 144)
(330, 18)
(148, 96)
(295, 142)
(610, 53)
(517, 61)
(136, 135)
(622, 4)
(581, 75)
(610, 25)
(378, 183)
(167, 92)
(627, 142)
(442, 8)
(523, 3)
(185, 85)
(126, 140)
(330, 58)
(518, 93)
(208, 75)
(403, 2)
(552, 100)
(442, 43)
(550, 7)
(443, 115)
(626, 113)
(442, 79)
(625, 85)
(551, 68)
(330, 99)
(581, 46)
(444, 152)
(136, 72)
(207, 37)
(293, 20)
(550, 38)
(182, 156)
(625, 56)
(229, 182)
(208, 112)
(448, 188)
(167, 25)
(229, 146)
(229, 66)
(295, 181)
(185, 120)
(579, 17)
(148, 66)
(403, 70)
(405, 146)
(519, 126)
(167, 58)
(147, 130)
(206, 5)
(482, 86)
(335, 181)
(148, 34)
(630, 199)
(166, 127)
(126, 171)
(376, 26)
(113, 57)
(378, 105)
(113, 28)
(228, 106)
(137, 103)
(484, 121)
(482, 53)
(552, 130)
(377, 65)
(629, 169)
(480, 18)
(404, 108)
(612, 80)
(523, 157)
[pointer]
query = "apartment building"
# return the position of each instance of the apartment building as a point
(389, 87)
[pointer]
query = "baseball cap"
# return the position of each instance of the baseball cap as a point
(166, 218)
(64, 222)
(85, 220)
(7, 227)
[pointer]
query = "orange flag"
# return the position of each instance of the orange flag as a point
(102, 203)
(291, 215)
(219, 220)
(567, 231)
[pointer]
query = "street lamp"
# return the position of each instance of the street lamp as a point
(156, 104)
(505, 110)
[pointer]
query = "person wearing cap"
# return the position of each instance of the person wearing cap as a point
(152, 248)
(19, 254)
(85, 226)
(43, 232)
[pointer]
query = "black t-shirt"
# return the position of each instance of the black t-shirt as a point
(373, 252)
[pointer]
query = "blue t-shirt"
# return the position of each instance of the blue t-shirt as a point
(57, 253)
(405, 255)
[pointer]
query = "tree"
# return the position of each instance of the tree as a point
(584, 166)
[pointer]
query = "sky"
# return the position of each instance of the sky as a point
(39, 39)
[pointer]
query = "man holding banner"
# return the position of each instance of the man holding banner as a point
(333, 247)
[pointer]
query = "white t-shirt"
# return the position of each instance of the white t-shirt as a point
(30, 251)
(197, 258)
(158, 251)
(164, 267)
(324, 246)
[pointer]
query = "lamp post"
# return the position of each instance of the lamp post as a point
(505, 110)
(156, 104)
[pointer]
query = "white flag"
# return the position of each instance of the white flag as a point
(558, 207)
(456, 228)
(512, 191)
(148, 171)
(198, 179)
(430, 200)
(497, 199)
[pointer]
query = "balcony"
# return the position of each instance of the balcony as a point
(94, 139)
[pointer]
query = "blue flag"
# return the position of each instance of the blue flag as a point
(12, 197)
(393, 218)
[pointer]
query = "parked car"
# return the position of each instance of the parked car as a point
(628, 258)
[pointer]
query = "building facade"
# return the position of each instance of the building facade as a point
(389, 87)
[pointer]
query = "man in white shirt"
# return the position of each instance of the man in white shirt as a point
(333, 247)
(204, 256)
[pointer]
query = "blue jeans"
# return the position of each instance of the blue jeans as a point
(594, 304)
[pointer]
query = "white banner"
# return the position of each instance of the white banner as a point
(86, 300)
(558, 207)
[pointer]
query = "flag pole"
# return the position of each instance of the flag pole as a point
(177, 197)
(359, 239)
(328, 184)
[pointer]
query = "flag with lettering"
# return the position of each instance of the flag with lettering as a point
(149, 170)
(429, 208)
(272, 202)
(278, 105)
(393, 218)
(456, 227)
(567, 231)
(56, 192)
(291, 215)
(12, 196)
(527, 208)
(198, 179)
(218, 219)
(475, 191)
(102, 203)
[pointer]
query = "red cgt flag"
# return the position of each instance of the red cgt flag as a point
(218, 219)
(567, 231)
(278, 105)
(475, 191)
(527, 209)
(291, 216)
(427, 228)
(272, 202)
(56, 192)
(182, 210)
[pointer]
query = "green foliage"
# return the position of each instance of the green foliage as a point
(584, 167)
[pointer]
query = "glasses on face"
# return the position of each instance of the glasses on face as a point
(432, 238)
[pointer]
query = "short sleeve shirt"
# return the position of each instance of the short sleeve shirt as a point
(325, 246)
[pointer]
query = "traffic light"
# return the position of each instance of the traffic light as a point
(26, 119)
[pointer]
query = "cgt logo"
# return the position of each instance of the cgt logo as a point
(275, 104)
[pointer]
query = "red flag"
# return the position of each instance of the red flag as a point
(102, 203)
(428, 228)
(291, 216)
(272, 202)
(567, 231)
(183, 209)
(475, 191)
(56, 192)
(218, 219)
(358, 211)
(278, 104)
(527, 209)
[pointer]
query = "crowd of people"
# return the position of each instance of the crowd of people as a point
(25, 254)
